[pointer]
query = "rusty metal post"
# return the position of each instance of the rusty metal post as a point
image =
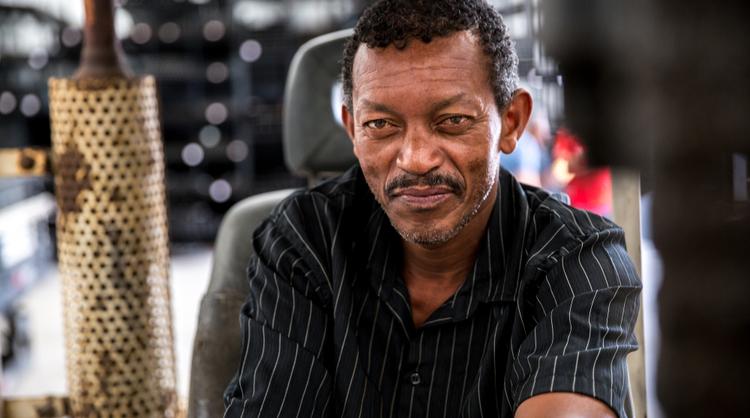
(108, 162)
(48, 407)
(101, 56)
(23, 162)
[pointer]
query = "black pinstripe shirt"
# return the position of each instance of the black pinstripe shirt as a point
(550, 305)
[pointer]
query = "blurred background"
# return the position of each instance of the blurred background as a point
(221, 68)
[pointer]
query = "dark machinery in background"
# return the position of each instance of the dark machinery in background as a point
(221, 85)
(26, 222)
(220, 67)
(220, 71)
(221, 77)
(664, 86)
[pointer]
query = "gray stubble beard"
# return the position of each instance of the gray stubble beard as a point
(432, 239)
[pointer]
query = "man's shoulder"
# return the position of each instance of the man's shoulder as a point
(313, 228)
(326, 213)
(554, 227)
(336, 194)
(554, 208)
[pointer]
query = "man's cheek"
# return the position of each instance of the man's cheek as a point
(477, 168)
(372, 177)
(368, 170)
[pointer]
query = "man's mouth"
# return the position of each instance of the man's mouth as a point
(423, 192)
(422, 197)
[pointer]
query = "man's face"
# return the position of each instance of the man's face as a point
(427, 133)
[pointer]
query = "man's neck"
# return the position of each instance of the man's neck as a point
(434, 273)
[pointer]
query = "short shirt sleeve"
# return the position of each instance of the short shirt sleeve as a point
(284, 327)
(584, 309)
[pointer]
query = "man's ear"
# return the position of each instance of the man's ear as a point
(348, 119)
(514, 119)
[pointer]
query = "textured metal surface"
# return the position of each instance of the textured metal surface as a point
(49, 407)
(113, 247)
(23, 162)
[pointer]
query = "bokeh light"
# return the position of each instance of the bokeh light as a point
(220, 191)
(216, 113)
(192, 154)
(217, 72)
(237, 151)
(30, 105)
(251, 50)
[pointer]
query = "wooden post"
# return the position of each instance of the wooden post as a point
(626, 195)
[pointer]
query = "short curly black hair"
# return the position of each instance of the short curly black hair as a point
(395, 22)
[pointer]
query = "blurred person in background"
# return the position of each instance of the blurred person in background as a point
(588, 188)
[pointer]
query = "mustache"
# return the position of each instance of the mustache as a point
(431, 179)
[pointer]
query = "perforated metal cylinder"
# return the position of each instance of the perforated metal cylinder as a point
(113, 247)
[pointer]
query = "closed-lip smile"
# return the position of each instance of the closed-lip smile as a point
(422, 197)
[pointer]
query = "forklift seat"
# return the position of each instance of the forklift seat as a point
(315, 145)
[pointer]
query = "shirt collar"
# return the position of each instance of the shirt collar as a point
(496, 271)
(495, 275)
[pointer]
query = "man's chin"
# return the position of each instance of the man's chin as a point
(432, 234)
(428, 237)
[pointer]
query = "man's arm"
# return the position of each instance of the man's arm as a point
(563, 405)
(284, 328)
(574, 357)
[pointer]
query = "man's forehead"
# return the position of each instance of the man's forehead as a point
(453, 59)
(460, 51)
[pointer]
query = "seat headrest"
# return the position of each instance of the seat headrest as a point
(315, 142)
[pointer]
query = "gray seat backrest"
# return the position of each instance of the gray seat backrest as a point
(315, 144)
(217, 338)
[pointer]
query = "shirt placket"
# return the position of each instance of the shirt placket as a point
(414, 382)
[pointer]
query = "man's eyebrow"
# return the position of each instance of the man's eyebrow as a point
(379, 107)
(447, 102)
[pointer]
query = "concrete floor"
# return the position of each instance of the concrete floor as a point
(41, 370)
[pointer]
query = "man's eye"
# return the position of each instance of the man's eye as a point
(455, 124)
(376, 124)
(455, 120)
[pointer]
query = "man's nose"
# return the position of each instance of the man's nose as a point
(420, 152)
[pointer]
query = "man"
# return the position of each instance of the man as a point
(427, 282)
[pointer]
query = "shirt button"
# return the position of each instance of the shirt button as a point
(415, 378)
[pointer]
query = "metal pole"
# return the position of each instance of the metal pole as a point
(108, 162)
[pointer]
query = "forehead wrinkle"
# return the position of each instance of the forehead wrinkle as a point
(440, 104)
(374, 106)
(419, 59)
(383, 82)
(380, 73)
(394, 72)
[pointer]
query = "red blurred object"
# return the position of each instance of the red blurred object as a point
(589, 189)
(592, 191)
(567, 146)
